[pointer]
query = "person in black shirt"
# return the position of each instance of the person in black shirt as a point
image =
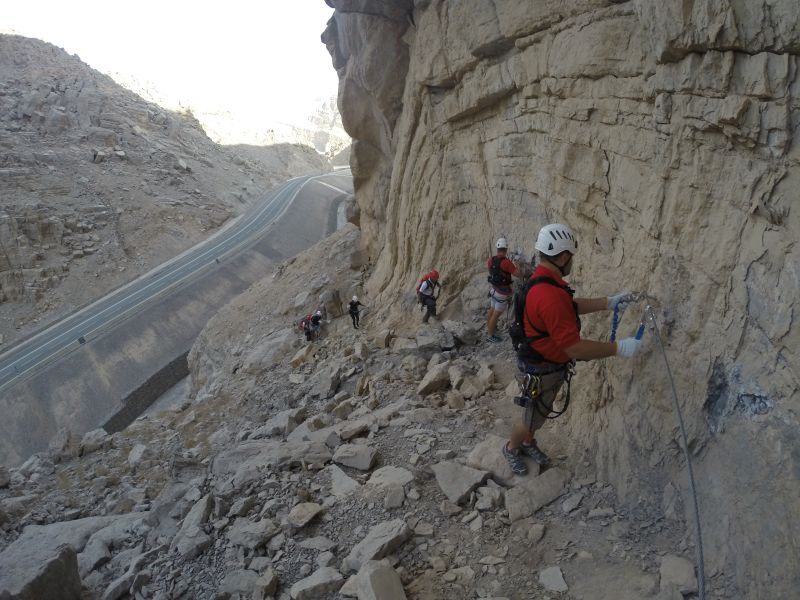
(353, 309)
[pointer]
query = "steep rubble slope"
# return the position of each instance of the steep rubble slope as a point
(97, 185)
(294, 465)
(665, 133)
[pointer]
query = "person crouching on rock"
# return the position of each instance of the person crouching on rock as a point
(552, 341)
(426, 295)
(353, 310)
(501, 269)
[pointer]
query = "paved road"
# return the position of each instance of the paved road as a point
(47, 346)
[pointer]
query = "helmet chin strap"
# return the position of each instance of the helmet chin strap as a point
(563, 270)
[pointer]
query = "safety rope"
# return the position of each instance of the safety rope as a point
(701, 577)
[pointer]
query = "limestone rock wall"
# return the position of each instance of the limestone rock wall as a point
(665, 133)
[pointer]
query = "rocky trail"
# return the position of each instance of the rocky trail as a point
(366, 464)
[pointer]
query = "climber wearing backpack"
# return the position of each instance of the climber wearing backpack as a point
(353, 310)
(426, 294)
(546, 333)
(501, 269)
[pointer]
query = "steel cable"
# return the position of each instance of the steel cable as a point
(701, 578)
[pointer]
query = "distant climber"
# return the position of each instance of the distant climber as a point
(316, 324)
(304, 325)
(546, 332)
(353, 310)
(501, 270)
(426, 294)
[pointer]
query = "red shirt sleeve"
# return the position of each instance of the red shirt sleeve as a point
(507, 266)
(556, 311)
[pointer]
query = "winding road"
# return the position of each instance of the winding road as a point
(229, 260)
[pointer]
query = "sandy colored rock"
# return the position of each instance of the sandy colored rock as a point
(381, 540)
(316, 585)
(457, 481)
(678, 572)
(302, 514)
(528, 497)
(357, 456)
(488, 456)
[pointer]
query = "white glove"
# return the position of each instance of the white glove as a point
(620, 300)
(629, 347)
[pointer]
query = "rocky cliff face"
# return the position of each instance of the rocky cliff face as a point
(665, 133)
(97, 185)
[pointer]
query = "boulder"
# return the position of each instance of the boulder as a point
(137, 455)
(381, 540)
(463, 333)
(94, 440)
(302, 514)
(251, 535)
(384, 338)
(454, 399)
(356, 456)
(48, 573)
(360, 351)
(435, 380)
(390, 475)
(552, 580)
(679, 572)
(302, 355)
(240, 581)
(266, 585)
(282, 423)
(332, 301)
(457, 481)
(488, 456)
(326, 382)
(323, 581)
(265, 454)
(64, 445)
(434, 339)
(191, 540)
(268, 351)
(534, 493)
(379, 581)
(341, 484)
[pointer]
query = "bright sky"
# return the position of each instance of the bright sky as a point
(257, 57)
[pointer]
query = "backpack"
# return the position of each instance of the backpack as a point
(516, 331)
(498, 277)
(423, 280)
(303, 323)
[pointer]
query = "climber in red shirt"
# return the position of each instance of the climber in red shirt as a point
(553, 341)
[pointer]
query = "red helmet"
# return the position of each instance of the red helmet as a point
(434, 275)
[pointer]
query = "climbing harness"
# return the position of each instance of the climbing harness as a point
(649, 317)
(531, 391)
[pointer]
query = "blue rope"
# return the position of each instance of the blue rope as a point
(615, 325)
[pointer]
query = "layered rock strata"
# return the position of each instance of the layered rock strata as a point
(664, 133)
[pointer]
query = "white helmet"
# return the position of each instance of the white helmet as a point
(501, 243)
(319, 313)
(355, 298)
(556, 238)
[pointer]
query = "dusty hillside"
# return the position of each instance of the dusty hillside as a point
(665, 133)
(98, 185)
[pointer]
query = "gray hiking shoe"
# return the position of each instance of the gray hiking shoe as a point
(515, 461)
(535, 453)
(494, 338)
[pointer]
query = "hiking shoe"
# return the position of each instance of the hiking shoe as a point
(535, 453)
(494, 338)
(515, 461)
